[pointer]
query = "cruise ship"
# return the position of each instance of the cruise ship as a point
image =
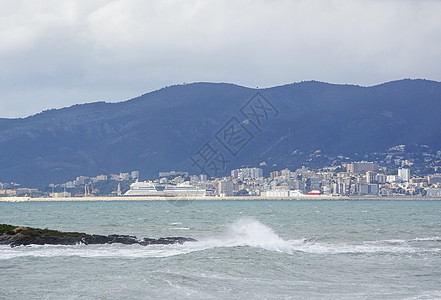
(148, 188)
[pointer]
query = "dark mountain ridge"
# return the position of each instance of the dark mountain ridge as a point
(163, 129)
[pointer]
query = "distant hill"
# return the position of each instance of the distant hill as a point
(164, 129)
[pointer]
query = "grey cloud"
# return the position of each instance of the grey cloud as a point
(58, 53)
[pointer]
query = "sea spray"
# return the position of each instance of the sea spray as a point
(333, 256)
(252, 233)
(244, 232)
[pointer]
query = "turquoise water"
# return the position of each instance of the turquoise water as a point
(245, 250)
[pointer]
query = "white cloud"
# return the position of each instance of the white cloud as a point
(57, 53)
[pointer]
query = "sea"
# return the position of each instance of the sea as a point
(275, 249)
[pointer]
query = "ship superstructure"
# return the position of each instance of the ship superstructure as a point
(149, 188)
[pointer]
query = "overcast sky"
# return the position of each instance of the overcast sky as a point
(59, 53)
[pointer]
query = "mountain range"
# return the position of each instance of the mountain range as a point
(215, 127)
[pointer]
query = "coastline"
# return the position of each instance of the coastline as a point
(213, 198)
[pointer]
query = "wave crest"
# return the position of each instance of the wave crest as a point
(252, 233)
(244, 232)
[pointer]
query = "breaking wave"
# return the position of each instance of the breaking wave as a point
(245, 232)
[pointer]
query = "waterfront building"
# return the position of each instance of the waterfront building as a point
(433, 179)
(60, 195)
(277, 193)
(361, 167)
(8, 192)
(225, 188)
(420, 181)
(286, 172)
(369, 189)
(120, 177)
(80, 180)
(69, 184)
(247, 173)
(314, 183)
(435, 192)
(380, 178)
(100, 178)
(339, 188)
(391, 178)
(235, 173)
(370, 177)
(173, 174)
(274, 174)
(404, 174)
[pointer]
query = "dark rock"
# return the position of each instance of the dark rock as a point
(17, 236)
(165, 241)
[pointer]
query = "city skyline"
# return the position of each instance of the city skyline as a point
(349, 179)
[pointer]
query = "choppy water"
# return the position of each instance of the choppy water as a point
(245, 250)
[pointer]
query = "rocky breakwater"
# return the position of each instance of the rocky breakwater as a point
(17, 236)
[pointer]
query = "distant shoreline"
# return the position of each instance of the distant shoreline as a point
(212, 198)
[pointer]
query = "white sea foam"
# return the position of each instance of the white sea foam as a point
(392, 246)
(348, 248)
(245, 232)
(430, 239)
(252, 233)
